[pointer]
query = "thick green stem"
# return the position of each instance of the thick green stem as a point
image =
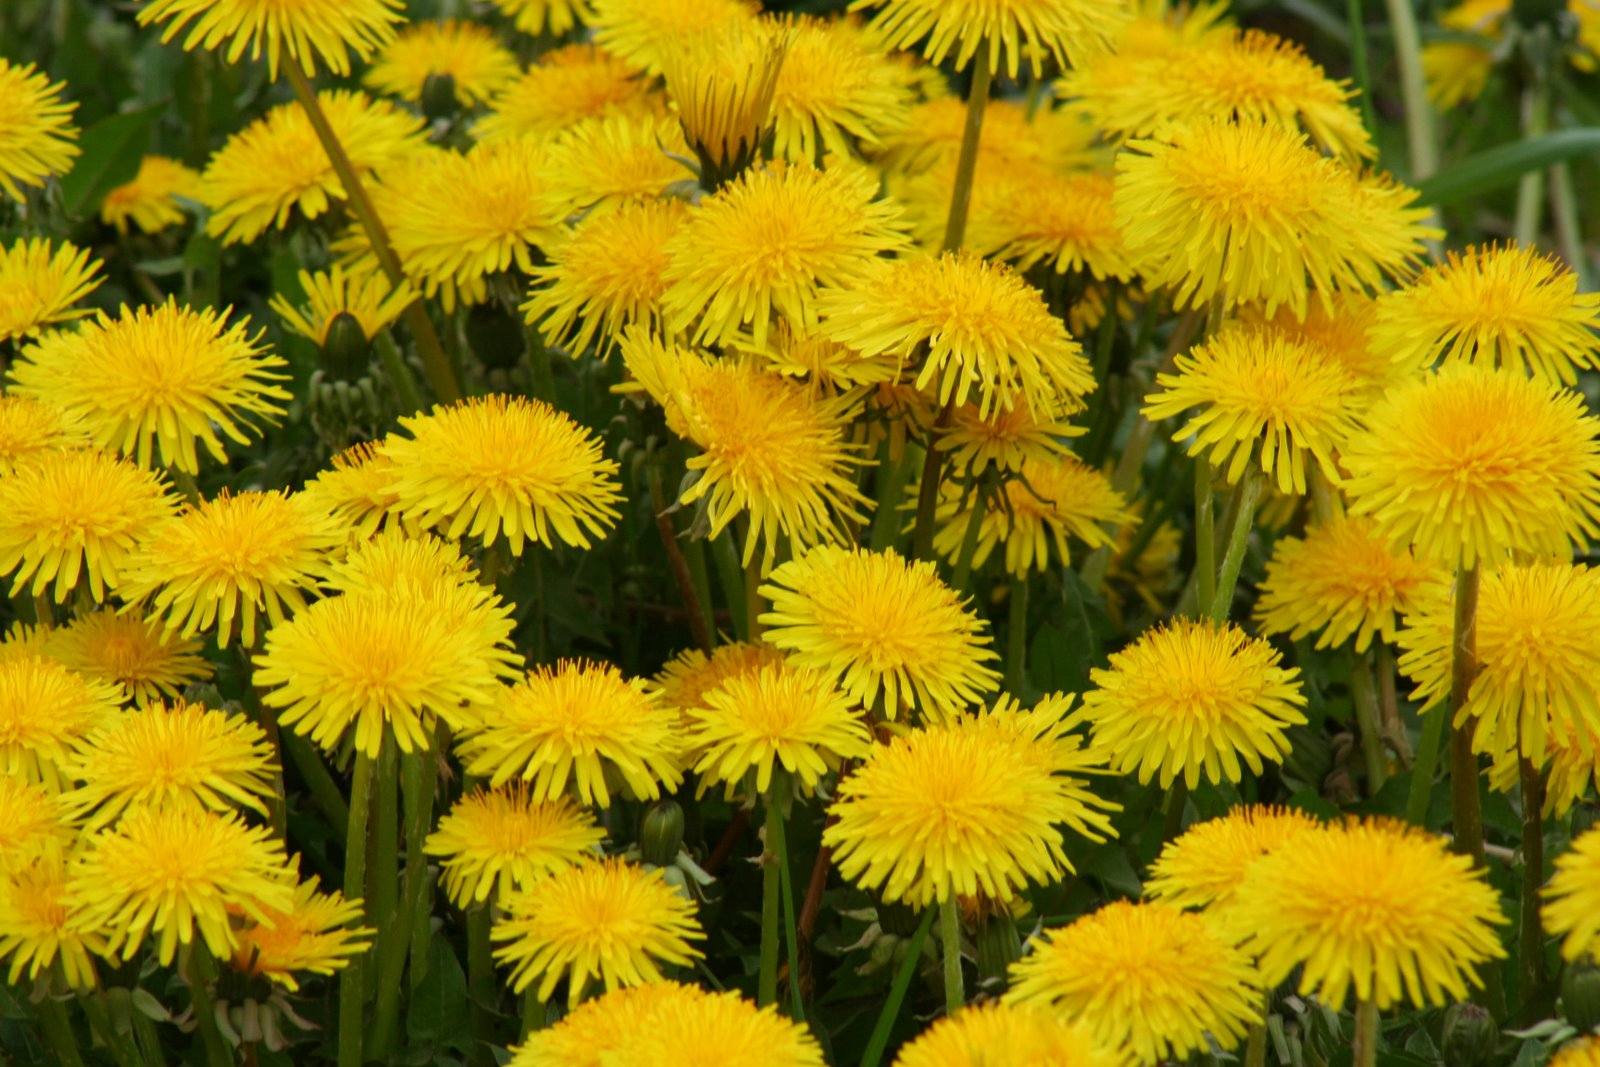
(1359, 72)
(1205, 537)
(383, 871)
(1255, 1046)
(1465, 803)
(198, 975)
(1017, 637)
(754, 605)
(1535, 123)
(1433, 728)
(122, 1048)
(1365, 1051)
(969, 538)
(533, 1012)
(1531, 944)
(417, 787)
(399, 375)
(1569, 225)
(771, 906)
(897, 992)
(699, 625)
(352, 980)
(950, 947)
(891, 488)
(1421, 133)
(1365, 697)
(324, 790)
(1177, 801)
(57, 1029)
(928, 488)
(955, 230)
(1244, 517)
(791, 938)
(732, 580)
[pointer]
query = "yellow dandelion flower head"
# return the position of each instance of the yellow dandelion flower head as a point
(995, 1033)
(37, 138)
(647, 34)
(75, 516)
(971, 805)
(228, 561)
(137, 654)
(477, 64)
(1033, 216)
(1033, 515)
(823, 364)
(1048, 139)
(1339, 330)
(1584, 1052)
(777, 715)
(1538, 673)
(499, 467)
(836, 89)
(40, 928)
(40, 283)
(357, 489)
(602, 920)
(1375, 906)
(565, 86)
(1469, 463)
(23, 639)
(1194, 698)
(1255, 396)
(686, 678)
(1457, 71)
(1203, 866)
(535, 17)
(1248, 211)
(276, 167)
(600, 163)
(170, 756)
(981, 331)
(33, 822)
(602, 1026)
(606, 274)
(895, 636)
(581, 728)
(1006, 440)
(1508, 306)
(157, 380)
(1148, 977)
(370, 299)
(1341, 580)
(1571, 897)
(721, 85)
(149, 200)
(1571, 775)
(312, 935)
(311, 34)
(769, 241)
(1009, 31)
(175, 874)
(502, 840)
(30, 429)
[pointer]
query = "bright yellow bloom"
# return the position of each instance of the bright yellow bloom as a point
(565, 86)
(994, 1033)
(1456, 71)
(972, 805)
(369, 299)
(687, 677)
(834, 89)
(500, 467)
(39, 927)
(311, 935)
(134, 653)
(1341, 580)
(1192, 699)
(1572, 897)
(1050, 139)
(895, 636)
(158, 378)
(75, 514)
(822, 363)
(477, 64)
(1584, 1052)
(606, 274)
(1069, 31)
(580, 727)
(1570, 776)
(39, 285)
(1507, 306)
(1339, 330)
(770, 241)
(177, 873)
(357, 489)
(534, 17)
(603, 163)
(1203, 866)
(648, 33)
(603, 919)
(162, 757)
(150, 199)
(1030, 216)
(1469, 463)
(45, 713)
(276, 167)
(979, 329)
(1006, 439)
(1148, 977)
(308, 33)
(721, 84)
(1375, 906)
(33, 822)
(37, 138)
(502, 840)
(30, 429)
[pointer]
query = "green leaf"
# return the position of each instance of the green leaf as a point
(112, 149)
(438, 1007)
(1503, 165)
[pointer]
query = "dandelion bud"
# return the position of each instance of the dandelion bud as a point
(345, 352)
(439, 97)
(1470, 1035)
(1580, 996)
(661, 833)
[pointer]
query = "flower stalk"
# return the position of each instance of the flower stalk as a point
(352, 980)
(1365, 1051)
(950, 945)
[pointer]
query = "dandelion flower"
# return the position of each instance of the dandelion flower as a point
(174, 874)
(503, 467)
(1148, 977)
(357, 489)
(1203, 866)
(1068, 31)
(30, 429)
(228, 560)
(163, 377)
(1570, 776)
(468, 53)
(601, 163)
(1584, 1052)
(1192, 699)
(1339, 330)
(39, 285)
(823, 364)
(834, 90)
(648, 33)
(369, 299)
(135, 653)
(602, 920)
(1045, 139)
(1469, 463)
(994, 1033)
(76, 514)
(33, 821)
(1341, 580)
(1507, 306)
(579, 726)
(502, 840)
(535, 17)
(565, 86)
(1037, 216)
(606, 274)
(37, 138)
(276, 167)
(40, 928)
(686, 678)
(149, 200)
(308, 33)
(769, 241)
(312, 935)
(1037, 510)
(971, 805)
(1571, 896)
(722, 84)
(1456, 71)
(1007, 440)
(1376, 906)
(895, 636)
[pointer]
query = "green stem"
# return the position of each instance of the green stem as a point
(1421, 132)
(121, 1048)
(1535, 123)
(928, 488)
(533, 1012)
(969, 538)
(955, 230)
(383, 872)
(1017, 637)
(324, 790)
(1466, 806)
(1244, 509)
(1359, 71)
(417, 787)
(1255, 1047)
(352, 980)
(897, 992)
(198, 975)
(1531, 946)
(1422, 771)
(950, 947)
(767, 974)
(753, 603)
(732, 580)
(699, 627)
(1365, 1051)
(399, 375)
(791, 938)
(58, 1033)
(694, 553)
(1569, 228)
(1177, 801)
(1205, 537)
(891, 489)
(480, 977)
(1365, 697)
